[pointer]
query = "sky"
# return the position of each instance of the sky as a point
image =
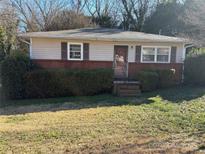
(2, 2)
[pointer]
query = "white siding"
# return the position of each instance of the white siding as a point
(101, 52)
(131, 53)
(180, 50)
(46, 49)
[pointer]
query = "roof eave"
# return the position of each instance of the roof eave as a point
(106, 39)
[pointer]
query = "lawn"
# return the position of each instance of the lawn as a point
(164, 121)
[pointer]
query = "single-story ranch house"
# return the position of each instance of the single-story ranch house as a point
(89, 48)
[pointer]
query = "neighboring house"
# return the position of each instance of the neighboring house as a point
(125, 51)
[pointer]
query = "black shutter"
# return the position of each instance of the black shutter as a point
(86, 51)
(64, 50)
(173, 54)
(138, 54)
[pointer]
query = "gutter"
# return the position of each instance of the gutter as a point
(189, 46)
(25, 41)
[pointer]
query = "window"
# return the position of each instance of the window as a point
(148, 55)
(75, 51)
(162, 54)
(155, 54)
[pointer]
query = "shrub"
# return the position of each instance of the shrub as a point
(40, 83)
(0, 74)
(1, 95)
(1, 90)
(194, 71)
(90, 82)
(193, 52)
(166, 78)
(57, 83)
(149, 80)
(13, 69)
(153, 79)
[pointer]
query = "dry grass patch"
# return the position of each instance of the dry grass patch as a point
(108, 124)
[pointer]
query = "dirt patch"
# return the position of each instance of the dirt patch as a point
(143, 145)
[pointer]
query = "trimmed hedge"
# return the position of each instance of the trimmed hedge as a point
(13, 69)
(1, 95)
(194, 70)
(166, 78)
(149, 80)
(153, 79)
(57, 83)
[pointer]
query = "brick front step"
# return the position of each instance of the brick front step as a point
(127, 88)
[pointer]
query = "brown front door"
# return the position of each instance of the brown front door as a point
(120, 61)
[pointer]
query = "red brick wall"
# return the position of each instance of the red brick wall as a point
(73, 64)
(134, 68)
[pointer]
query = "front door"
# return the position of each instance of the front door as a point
(120, 61)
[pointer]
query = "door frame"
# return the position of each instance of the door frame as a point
(127, 64)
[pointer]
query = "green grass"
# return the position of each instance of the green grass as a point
(164, 121)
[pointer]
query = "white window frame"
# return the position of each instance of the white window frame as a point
(155, 57)
(142, 50)
(81, 52)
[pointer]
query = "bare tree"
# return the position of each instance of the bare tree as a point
(78, 5)
(103, 12)
(68, 19)
(93, 7)
(194, 17)
(37, 15)
(9, 27)
(134, 13)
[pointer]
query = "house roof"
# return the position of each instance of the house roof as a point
(103, 34)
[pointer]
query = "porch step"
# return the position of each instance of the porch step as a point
(127, 88)
(128, 95)
(129, 91)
